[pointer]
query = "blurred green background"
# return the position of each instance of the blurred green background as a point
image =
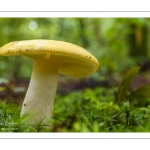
(117, 43)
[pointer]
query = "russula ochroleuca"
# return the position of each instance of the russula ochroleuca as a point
(50, 58)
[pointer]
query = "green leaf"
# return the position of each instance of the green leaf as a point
(142, 92)
(126, 81)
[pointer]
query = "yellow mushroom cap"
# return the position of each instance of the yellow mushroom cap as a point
(74, 60)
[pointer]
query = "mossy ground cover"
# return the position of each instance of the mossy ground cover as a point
(88, 110)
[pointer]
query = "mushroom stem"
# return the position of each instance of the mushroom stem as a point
(39, 99)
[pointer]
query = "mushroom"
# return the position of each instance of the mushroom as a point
(50, 58)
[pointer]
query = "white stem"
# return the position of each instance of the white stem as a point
(39, 99)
